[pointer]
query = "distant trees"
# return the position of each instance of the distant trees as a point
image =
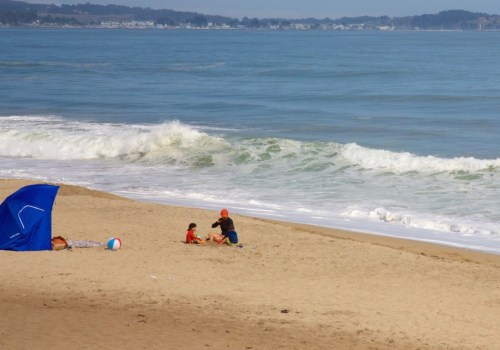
(17, 18)
(199, 21)
(250, 22)
(12, 12)
(61, 21)
(453, 19)
(165, 21)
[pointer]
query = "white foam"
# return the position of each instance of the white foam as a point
(52, 137)
(431, 223)
(64, 140)
(405, 162)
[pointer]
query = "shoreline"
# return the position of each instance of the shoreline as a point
(380, 234)
(291, 286)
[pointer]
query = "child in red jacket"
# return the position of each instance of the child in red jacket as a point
(192, 237)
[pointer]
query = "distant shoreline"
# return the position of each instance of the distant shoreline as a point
(17, 13)
(243, 29)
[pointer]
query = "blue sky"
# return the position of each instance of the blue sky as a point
(303, 8)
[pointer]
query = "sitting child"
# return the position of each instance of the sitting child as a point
(192, 237)
(230, 239)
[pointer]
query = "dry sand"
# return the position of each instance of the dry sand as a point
(290, 287)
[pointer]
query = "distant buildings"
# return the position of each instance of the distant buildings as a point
(216, 26)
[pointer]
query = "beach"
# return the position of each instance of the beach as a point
(290, 286)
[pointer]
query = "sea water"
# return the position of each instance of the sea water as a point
(391, 133)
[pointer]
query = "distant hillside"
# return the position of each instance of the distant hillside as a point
(18, 13)
(445, 20)
(457, 19)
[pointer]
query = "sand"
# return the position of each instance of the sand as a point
(290, 287)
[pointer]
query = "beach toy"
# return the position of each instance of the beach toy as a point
(114, 243)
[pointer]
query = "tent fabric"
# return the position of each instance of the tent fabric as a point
(26, 218)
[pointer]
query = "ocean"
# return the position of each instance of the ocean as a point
(389, 133)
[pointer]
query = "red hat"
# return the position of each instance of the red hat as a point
(224, 213)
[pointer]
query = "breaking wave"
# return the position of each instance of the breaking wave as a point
(55, 138)
(176, 143)
(172, 142)
(406, 162)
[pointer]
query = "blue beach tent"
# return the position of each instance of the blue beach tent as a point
(26, 218)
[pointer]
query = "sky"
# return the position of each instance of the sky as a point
(302, 8)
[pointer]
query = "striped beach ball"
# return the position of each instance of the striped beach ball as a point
(114, 243)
